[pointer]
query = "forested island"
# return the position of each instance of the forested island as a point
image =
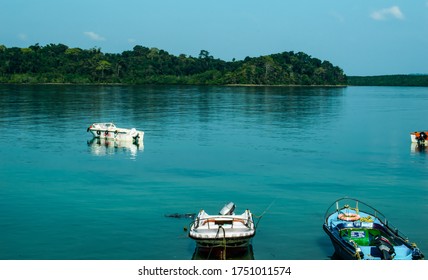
(58, 63)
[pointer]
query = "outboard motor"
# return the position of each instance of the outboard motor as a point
(385, 247)
(421, 139)
(417, 254)
(228, 209)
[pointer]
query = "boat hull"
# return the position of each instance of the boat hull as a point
(341, 249)
(115, 135)
(242, 242)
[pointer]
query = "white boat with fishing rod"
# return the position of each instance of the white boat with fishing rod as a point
(225, 230)
(110, 131)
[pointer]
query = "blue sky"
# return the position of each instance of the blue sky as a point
(363, 37)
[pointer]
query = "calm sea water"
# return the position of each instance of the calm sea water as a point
(286, 153)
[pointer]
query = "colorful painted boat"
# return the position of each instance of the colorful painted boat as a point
(360, 232)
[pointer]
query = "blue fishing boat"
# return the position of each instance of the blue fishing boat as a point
(360, 232)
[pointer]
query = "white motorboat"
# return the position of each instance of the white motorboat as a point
(225, 230)
(110, 131)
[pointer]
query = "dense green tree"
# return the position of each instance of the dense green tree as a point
(103, 66)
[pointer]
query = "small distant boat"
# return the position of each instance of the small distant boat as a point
(419, 137)
(225, 230)
(363, 233)
(110, 131)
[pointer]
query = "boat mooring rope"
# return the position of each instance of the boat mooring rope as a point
(357, 253)
(223, 254)
(259, 217)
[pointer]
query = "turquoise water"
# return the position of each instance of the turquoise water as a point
(285, 152)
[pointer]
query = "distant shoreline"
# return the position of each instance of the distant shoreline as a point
(251, 85)
(352, 83)
(389, 80)
(195, 85)
(381, 80)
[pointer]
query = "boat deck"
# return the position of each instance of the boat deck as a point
(217, 227)
(373, 253)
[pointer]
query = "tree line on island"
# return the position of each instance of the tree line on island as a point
(420, 80)
(58, 63)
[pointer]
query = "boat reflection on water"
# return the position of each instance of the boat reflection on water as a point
(415, 148)
(103, 147)
(241, 253)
